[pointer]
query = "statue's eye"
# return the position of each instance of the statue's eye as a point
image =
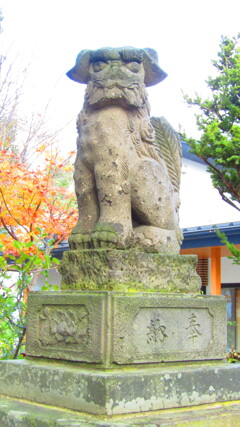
(133, 66)
(99, 65)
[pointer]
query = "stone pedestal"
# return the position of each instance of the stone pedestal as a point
(122, 270)
(111, 353)
(120, 391)
(114, 328)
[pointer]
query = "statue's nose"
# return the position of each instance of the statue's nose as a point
(114, 63)
(115, 69)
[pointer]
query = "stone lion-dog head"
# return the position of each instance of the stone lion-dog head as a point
(117, 75)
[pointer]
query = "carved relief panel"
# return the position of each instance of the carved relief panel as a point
(156, 328)
(67, 326)
(63, 324)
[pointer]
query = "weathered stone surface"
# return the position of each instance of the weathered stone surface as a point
(22, 414)
(66, 326)
(112, 269)
(122, 391)
(128, 167)
(112, 328)
(154, 328)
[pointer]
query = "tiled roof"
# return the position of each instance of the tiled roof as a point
(205, 235)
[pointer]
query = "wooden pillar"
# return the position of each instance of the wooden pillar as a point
(216, 271)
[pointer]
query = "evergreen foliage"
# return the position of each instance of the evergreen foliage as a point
(218, 120)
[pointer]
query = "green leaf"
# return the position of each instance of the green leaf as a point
(28, 244)
(18, 245)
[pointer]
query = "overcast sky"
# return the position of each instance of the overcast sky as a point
(48, 35)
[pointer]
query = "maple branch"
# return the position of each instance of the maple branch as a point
(31, 225)
(11, 233)
(15, 219)
(19, 342)
(11, 321)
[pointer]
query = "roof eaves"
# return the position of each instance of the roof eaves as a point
(205, 236)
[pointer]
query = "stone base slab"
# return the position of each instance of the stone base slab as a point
(114, 328)
(124, 270)
(25, 414)
(122, 391)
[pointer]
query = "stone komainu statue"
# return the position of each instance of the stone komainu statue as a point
(127, 170)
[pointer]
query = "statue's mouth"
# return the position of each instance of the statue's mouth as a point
(115, 91)
(113, 85)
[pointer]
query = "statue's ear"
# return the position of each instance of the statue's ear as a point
(153, 73)
(79, 73)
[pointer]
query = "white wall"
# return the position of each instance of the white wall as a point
(230, 273)
(54, 278)
(201, 204)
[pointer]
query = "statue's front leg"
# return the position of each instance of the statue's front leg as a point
(88, 207)
(114, 227)
(108, 144)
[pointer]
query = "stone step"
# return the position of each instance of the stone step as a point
(122, 391)
(18, 413)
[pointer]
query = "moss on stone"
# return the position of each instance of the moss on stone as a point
(128, 270)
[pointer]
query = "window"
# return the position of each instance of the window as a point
(232, 294)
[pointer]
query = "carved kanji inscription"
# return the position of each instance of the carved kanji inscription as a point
(156, 331)
(193, 329)
(172, 329)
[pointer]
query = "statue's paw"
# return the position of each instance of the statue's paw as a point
(155, 239)
(80, 241)
(103, 239)
(113, 235)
